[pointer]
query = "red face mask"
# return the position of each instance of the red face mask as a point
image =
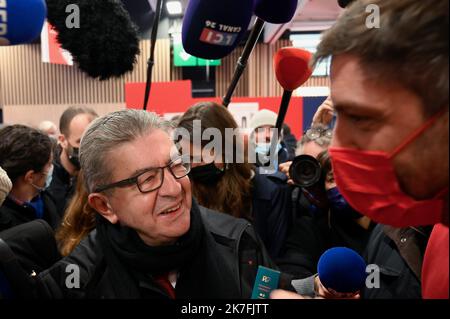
(368, 182)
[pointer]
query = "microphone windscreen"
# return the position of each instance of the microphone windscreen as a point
(212, 29)
(342, 269)
(21, 21)
(292, 67)
(105, 44)
(276, 11)
(344, 3)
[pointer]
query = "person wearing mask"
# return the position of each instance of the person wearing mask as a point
(262, 125)
(224, 182)
(390, 150)
(72, 124)
(26, 156)
(152, 240)
(5, 185)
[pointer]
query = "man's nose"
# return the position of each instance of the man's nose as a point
(171, 186)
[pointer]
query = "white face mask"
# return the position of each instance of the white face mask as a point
(48, 180)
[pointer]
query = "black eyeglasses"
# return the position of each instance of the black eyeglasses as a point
(153, 178)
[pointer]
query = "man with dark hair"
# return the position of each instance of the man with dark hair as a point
(26, 156)
(390, 150)
(72, 124)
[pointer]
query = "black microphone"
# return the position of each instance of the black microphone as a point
(272, 11)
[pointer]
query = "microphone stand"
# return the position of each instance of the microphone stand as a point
(242, 62)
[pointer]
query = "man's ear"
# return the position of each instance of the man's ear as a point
(29, 177)
(62, 140)
(100, 203)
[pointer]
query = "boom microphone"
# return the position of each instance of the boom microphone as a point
(21, 21)
(344, 3)
(105, 44)
(342, 270)
(277, 12)
(292, 71)
(213, 28)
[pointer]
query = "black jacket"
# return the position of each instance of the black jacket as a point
(235, 239)
(62, 186)
(13, 214)
(271, 210)
(311, 233)
(398, 252)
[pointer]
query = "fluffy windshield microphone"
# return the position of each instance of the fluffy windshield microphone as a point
(342, 270)
(212, 29)
(105, 44)
(21, 21)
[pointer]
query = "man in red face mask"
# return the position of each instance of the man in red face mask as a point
(391, 145)
(390, 152)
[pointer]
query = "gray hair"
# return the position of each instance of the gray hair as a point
(323, 141)
(109, 132)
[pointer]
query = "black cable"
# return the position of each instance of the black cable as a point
(151, 60)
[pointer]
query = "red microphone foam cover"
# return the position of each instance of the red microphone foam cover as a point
(292, 67)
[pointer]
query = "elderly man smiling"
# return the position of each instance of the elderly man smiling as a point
(152, 240)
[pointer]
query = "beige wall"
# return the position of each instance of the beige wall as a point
(32, 115)
(31, 90)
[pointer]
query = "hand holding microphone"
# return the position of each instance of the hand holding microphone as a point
(341, 275)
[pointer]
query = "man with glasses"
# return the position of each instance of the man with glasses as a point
(152, 240)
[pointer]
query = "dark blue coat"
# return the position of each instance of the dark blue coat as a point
(271, 203)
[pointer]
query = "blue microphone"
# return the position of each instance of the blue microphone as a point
(342, 269)
(21, 21)
(212, 29)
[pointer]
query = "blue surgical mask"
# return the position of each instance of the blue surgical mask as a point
(262, 149)
(339, 206)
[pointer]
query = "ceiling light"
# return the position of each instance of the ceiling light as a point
(174, 7)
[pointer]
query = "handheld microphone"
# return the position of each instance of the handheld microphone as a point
(342, 269)
(105, 44)
(21, 21)
(213, 29)
(277, 12)
(292, 71)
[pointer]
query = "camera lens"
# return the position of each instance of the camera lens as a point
(305, 171)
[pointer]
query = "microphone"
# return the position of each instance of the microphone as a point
(292, 69)
(106, 43)
(344, 3)
(277, 12)
(21, 21)
(342, 269)
(212, 29)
